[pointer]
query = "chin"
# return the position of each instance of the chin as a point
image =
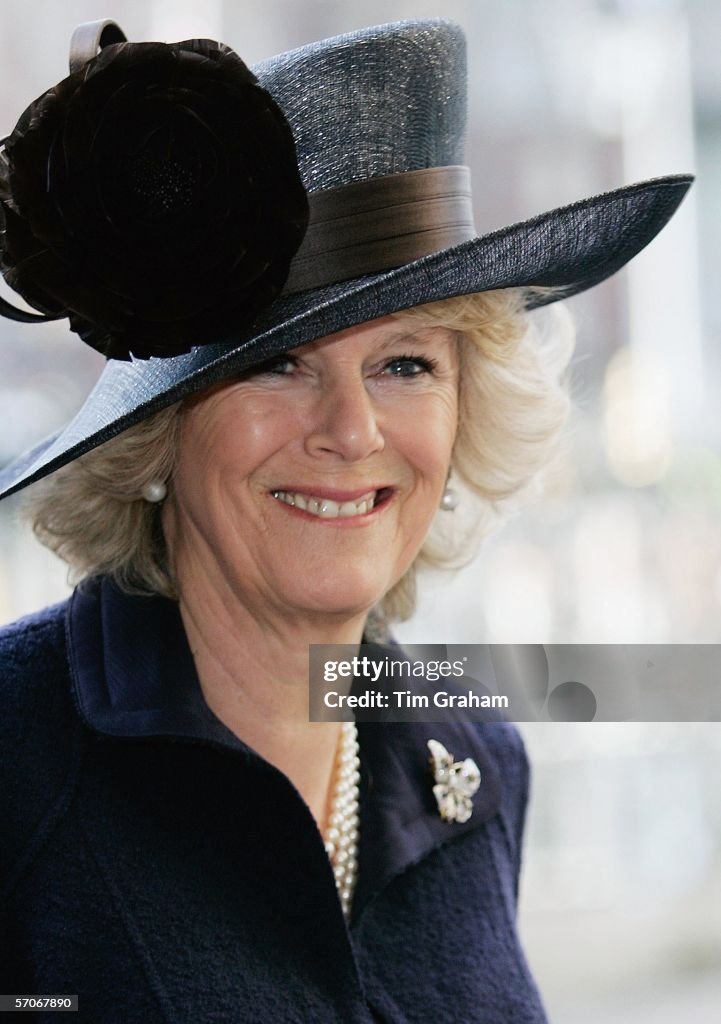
(342, 596)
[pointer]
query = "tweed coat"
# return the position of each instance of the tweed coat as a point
(158, 868)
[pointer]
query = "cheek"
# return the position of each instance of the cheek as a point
(262, 430)
(429, 435)
(226, 444)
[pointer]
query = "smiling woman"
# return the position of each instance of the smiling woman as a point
(506, 370)
(319, 341)
(336, 422)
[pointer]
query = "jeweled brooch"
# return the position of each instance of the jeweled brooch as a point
(456, 782)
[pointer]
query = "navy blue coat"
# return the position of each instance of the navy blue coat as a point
(157, 867)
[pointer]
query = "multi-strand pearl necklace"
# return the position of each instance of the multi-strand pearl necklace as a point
(341, 841)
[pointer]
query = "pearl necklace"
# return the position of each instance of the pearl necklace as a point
(341, 841)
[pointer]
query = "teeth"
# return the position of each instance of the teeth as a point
(324, 508)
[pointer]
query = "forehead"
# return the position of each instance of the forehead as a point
(386, 331)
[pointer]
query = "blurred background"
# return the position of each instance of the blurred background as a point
(621, 891)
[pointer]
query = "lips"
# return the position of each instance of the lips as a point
(342, 506)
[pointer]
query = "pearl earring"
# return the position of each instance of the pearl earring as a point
(154, 491)
(449, 501)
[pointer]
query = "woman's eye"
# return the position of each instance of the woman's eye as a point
(278, 366)
(409, 366)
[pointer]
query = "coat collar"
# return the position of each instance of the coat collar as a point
(133, 676)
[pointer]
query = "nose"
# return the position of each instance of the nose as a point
(344, 420)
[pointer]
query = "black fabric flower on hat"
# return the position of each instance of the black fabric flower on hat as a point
(153, 197)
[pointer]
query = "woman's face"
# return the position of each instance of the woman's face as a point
(311, 483)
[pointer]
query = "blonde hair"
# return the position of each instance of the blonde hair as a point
(512, 406)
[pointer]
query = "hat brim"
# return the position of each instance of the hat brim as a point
(563, 252)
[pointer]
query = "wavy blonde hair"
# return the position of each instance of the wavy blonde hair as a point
(513, 403)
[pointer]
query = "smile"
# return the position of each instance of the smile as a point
(326, 508)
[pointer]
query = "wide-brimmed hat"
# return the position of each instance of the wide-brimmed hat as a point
(175, 221)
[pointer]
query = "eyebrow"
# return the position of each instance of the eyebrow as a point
(391, 336)
(417, 335)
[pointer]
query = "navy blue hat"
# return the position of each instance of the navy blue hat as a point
(377, 126)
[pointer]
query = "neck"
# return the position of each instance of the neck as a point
(252, 664)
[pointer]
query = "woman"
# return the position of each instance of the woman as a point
(183, 843)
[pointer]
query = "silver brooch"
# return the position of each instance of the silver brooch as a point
(456, 782)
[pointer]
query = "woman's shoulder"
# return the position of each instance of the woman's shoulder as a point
(32, 654)
(35, 691)
(38, 727)
(505, 744)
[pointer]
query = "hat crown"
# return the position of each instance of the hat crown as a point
(381, 101)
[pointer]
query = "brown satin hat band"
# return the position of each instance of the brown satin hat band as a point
(380, 223)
